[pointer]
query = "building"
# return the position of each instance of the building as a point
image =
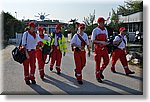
(49, 25)
(134, 25)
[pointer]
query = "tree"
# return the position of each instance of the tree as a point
(89, 22)
(130, 7)
(90, 19)
(11, 25)
(73, 26)
(114, 21)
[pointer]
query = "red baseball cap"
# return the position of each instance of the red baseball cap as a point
(58, 26)
(40, 29)
(31, 24)
(82, 25)
(100, 19)
(122, 29)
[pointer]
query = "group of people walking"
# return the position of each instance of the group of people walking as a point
(33, 44)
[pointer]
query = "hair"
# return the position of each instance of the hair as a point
(27, 28)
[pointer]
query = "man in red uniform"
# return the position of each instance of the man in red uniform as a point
(40, 56)
(59, 46)
(120, 51)
(29, 43)
(78, 42)
(99, 38)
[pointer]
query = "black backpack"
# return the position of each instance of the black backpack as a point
(111, 47)
(46, 50)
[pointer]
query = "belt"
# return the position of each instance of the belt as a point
(78, 49)
(102, 48)
(121, 48)
(30, 49)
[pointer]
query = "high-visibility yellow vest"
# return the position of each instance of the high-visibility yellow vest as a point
(61, 42)
(46, 42)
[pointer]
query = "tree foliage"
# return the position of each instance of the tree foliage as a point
(89, 22)
(11, 25)
(128, 8)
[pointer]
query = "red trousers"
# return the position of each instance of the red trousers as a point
(80, 61)
(56, 55)
(119, 54)
(101, 53)
(29, 74)
(41, 61)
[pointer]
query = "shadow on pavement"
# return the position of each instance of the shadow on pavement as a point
(131, 76)
(40, 90)
(127, 89)
(73, 88)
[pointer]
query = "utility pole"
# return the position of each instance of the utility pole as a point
(16, 14)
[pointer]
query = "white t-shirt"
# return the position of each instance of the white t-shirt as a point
(29, 41)
(122, 45)
(97, 31)
(77, 41)
(40, 39)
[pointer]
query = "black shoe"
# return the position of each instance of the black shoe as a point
(42, 77)
(75, 72)
(58, 73)
(27, 82)
(33, 81)
(99, 80)
(113, 71)
(102, 76)
(80, 82)
(130, 73)
(51, 69)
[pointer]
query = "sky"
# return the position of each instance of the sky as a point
(63, 10)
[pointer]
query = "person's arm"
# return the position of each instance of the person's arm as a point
(117, 42)
(24, 38)
(73, 41)
(24, 43)
(88, 47)
(74, 45)
(99, 42)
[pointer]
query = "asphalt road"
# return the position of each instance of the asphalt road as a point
(65, 83)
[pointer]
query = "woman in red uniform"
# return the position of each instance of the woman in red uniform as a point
(40, 57)
(78, 42)
(29, 43)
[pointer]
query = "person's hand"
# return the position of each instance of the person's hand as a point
(125, 51)
(40, 48)
(82, 47)
(105, 43)
(40, 43)
(27, 55)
